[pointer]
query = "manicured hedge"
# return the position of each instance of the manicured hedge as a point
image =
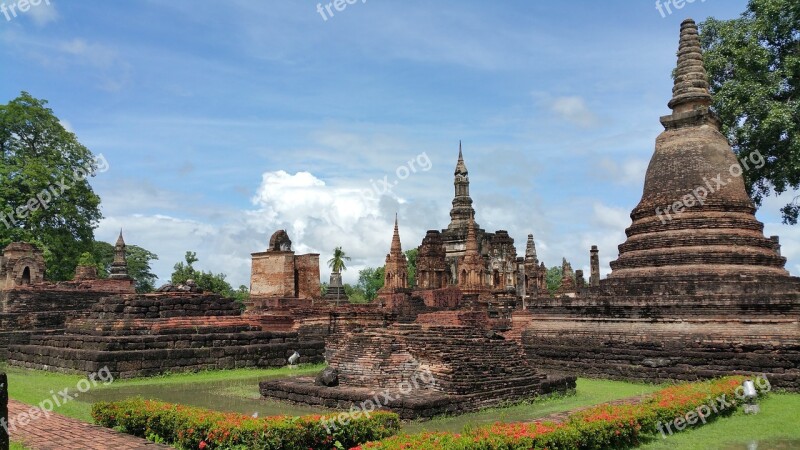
(599, 427)
(196, 428)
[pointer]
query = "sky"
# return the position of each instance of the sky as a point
(223, 122)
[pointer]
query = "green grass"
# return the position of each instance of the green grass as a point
(589, 392)
(17, 446)
(34, 386)
(778, 420)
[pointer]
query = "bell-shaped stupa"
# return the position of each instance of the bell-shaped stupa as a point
(695, 217)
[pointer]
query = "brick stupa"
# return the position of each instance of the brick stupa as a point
(687, 222)
(700, 294)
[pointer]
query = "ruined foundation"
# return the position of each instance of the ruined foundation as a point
(145, 335)
(424, 371)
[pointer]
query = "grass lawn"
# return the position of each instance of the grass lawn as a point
(589, 392)
(34, 386)
(778, 421)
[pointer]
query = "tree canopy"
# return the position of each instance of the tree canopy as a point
(553, 279)
(753, 64)
(207, 281)
(43, 181)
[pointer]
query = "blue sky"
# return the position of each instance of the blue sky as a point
(224, 121)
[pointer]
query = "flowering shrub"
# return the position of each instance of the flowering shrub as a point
(599, 427)
(196, 428)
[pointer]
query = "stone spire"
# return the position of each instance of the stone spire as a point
(396, 247)
(396, 269)
(119, 268)
(530, 249)
(691, 80)
(462, 203)
(695, 217)
(461, 168)
(472, 267)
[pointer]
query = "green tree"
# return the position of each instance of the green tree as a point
(753, 64)
(47, 199)
(337, 263)
(370, 280)
(206, 281)
(553, 279)
(411, 256)
(242, 294)
(138, 264)
(356, 294)
(86, 259)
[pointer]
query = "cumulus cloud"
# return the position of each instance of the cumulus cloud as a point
(317, 216)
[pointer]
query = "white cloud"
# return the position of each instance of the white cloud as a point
(317, 216)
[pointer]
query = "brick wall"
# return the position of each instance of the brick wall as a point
(272, 274)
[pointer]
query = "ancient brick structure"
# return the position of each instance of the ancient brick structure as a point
(472, 266)
(580, 281)
(143, 335)
(396, 268)
(21, 264)
(503, 262)
(119, 267)
(568, 286)
(335, 292)
(697, 290)
(427, 369)
(685, 224)
(535, 273)
(432, 272)
(594, 264)
(501, 270)
(85, 273)
(278, 272)
(29, 305)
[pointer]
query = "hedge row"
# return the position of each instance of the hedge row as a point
(599, 427)
(196, 428)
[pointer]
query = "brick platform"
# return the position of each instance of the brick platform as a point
(447, 369)
(145, 335)
(58, 432)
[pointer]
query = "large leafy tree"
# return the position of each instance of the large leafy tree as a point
(47, 199)
(207, 281)
(370, 280)
(754, 69)
(138, 264)
(553, 279)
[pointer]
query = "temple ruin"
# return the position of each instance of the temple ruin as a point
(696, 291)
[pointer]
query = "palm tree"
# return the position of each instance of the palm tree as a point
(337, 262)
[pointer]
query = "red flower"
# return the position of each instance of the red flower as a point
(203, 445)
